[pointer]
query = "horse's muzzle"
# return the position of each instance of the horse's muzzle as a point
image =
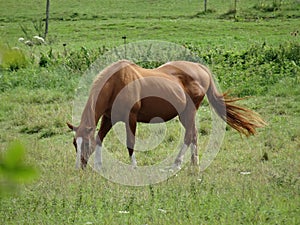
(83, 163)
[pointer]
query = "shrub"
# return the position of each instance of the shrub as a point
(13, 168)
(254, 70)
(12, 58)
(81, 60)
(265, 7)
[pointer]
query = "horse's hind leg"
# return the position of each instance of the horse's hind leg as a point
(130, 132)
(194, 150)
(187, 119)
(179, 158)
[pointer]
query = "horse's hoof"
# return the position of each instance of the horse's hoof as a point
(134, 167)
(194, 170)
(171, 169)
(176, 167)
(97, 167)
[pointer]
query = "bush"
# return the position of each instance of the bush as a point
(250, 71)
(13, 169)
(271, 7)
(81, 60)
(254, 70)
(12, 58)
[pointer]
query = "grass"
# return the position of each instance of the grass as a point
(104, 24)
(251, 52)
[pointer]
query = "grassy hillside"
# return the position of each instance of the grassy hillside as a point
(105, 22)
(253, 50)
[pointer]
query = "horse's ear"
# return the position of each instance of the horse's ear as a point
(72, 127)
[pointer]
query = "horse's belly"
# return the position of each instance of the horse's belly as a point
(161, 99)
(156, 110)
(150, 98)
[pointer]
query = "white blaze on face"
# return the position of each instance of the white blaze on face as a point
(78, 157)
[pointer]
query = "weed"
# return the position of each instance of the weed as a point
(38, 29)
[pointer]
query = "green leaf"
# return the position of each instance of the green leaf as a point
(13, 166)
(14, 155)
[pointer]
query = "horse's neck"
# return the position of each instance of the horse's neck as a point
(89, 117)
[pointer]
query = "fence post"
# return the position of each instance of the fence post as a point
(47, 18)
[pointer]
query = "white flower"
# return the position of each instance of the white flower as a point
(162, 210)
(39, 39)
(29, 43)
(21, 39)
(123, 212)
(245, 173)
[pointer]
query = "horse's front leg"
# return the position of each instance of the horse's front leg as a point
(130, 133)
(105, 127)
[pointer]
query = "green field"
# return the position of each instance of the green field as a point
(253, 50)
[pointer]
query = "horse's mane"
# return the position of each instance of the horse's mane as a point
(106, 73)
(101, 80)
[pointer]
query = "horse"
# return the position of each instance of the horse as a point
(126, 92)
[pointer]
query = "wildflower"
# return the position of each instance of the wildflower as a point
(245, 173)
(162, 210)
(29, 43)
(123, 212)
(39, 40)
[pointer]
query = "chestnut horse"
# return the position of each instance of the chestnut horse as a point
(126, 92)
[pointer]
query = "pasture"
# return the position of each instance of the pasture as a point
(253, 50)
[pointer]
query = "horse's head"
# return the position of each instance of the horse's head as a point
(84, 143)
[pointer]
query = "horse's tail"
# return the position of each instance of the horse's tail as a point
(241, 119)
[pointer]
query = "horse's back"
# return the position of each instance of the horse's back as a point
(151, 93)
(187, 72)
(194, 77)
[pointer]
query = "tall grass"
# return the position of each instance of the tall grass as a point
(251, 181)
(246, 72)
(256, 68)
